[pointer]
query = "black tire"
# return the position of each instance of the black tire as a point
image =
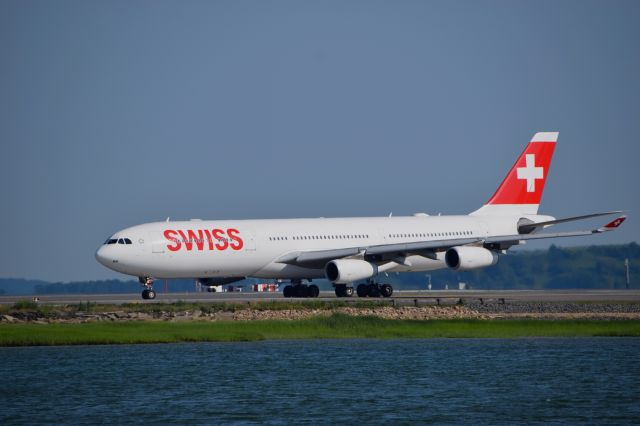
(145, 294)
(288, 291)
(374, 290)
(313, 291)
(348, 291)
(300, 291)
(386, 290)
(341, 290)
(151, 294)
(362, 290)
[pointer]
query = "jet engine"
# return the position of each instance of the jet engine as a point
(467, 258)
(345, 271)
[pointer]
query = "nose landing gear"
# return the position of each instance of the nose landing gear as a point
(147, 283)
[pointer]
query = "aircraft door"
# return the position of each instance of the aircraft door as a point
(158, 246)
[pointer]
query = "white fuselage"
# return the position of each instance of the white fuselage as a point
(252, 248)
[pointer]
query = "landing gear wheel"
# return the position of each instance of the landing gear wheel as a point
(374, 290)
(288, 291)
(386, 290)
(362, 290)
(313, 291)
(148, 293)
(342, 290)
(300, 291)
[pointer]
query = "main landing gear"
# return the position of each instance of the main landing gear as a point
(147, 283)
(343, 290)
(297, 289)
(372, 289)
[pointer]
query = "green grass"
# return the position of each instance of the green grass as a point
(333, 327)
(25, 304)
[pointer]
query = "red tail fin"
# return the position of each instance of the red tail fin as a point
(521, 190)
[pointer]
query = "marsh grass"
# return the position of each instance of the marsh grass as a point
(25, 304)
(336, 326)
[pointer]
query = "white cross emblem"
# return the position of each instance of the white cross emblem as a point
(530, 172)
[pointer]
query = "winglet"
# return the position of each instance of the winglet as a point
(613, 224)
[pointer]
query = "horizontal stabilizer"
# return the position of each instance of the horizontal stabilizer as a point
(506, 241)
(528, 228)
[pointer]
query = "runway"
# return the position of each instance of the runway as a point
(399, 297)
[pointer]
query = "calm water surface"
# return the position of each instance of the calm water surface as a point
(449, 381)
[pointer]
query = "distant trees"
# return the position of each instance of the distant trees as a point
(575, 267)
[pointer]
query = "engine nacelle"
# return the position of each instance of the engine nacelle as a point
(345, 271)
(467, 258)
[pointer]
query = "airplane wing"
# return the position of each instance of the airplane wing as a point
(386, 252)
(318, 258)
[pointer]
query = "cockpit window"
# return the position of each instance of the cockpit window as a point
(118, 241)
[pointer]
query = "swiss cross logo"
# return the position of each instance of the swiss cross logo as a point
(530, 172)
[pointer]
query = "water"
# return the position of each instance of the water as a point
(448, 381)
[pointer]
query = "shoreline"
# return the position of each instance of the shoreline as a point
(28, 312)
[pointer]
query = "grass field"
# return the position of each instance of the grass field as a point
(333, 327)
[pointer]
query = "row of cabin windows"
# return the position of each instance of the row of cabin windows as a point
(361, 236)
(118, 241)
(321, 237)
(433, 234)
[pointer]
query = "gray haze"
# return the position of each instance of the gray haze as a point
(116, 113)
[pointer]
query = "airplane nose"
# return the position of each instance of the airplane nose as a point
(101, 256)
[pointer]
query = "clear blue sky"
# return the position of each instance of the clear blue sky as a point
(114, 113)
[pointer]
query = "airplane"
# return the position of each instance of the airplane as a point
(345, 250)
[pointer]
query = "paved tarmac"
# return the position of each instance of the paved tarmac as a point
(399, 297)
